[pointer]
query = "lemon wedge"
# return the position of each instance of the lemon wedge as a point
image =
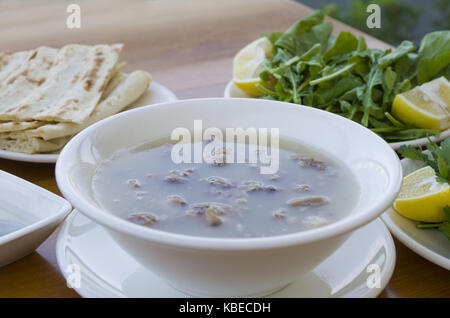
(422, 197)
(426, 106)
(247, 65)
(440, 89)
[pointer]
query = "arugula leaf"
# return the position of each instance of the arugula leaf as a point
(343, 44)
(389, 78)
(394, 121)
(406, 66)
(434, 56)
(413, 153)
(442, 167)
(447, 213)
(404, 48)
(300, 37)
(444, 150)
(444, 227)
(362, 46)
(345, 84)
(408, 134)
(333, 75)
(375, 78)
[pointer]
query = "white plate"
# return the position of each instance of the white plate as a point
(36, 209)
(155, 94)
(232, 91)
(108, 271)
(428, 243)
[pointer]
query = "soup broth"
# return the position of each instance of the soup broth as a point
(220, 199)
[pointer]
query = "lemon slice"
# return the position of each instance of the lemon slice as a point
(422, 198)
(426, 106)
(440, 89)
(247, 65)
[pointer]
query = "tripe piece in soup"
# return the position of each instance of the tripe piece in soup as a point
(226, 200)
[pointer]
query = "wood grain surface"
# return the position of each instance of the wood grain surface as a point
(188, 46)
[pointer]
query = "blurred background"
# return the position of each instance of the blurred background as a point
(400, 19)
(204, 35)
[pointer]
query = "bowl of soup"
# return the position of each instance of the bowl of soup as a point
(229, 197)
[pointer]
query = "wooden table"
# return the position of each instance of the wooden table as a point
(187, 46)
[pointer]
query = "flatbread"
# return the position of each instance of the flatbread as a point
(32, 145)
(48, 95)
(19, 125)
(122, 91)
(66, 89)
(10, 62)
(22, 75)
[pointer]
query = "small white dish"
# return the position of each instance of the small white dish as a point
(155, 94)
(428, 243)
(36, 211)
(106, 270)
(203, 265)
(232, 91)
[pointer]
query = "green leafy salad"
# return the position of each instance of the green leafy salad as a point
(341, 75)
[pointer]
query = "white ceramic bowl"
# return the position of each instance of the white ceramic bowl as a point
(38, 210)
(241, 266)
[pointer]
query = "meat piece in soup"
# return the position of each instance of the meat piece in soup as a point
(220, 199)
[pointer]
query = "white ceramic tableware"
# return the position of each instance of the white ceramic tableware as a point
(240, 266)
(35, 211)
(106, 270)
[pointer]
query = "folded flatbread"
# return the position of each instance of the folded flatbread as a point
(32, 145)
(19, 125)
(125, 90)
(48, 95)
(56, 85)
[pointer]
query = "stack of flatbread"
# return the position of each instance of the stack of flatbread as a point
(48, 95)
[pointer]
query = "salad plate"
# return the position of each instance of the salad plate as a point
(232, 91)
(428, 243)
(155, 94)
(106, 270)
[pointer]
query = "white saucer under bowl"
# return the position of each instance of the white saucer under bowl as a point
(155, 94)
(108, 271)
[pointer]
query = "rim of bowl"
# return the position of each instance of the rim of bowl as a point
(110, 221)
